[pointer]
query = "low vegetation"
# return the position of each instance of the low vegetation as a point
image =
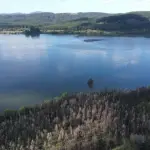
(109, 120)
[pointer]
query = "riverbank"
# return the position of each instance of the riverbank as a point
(96, 33)
(81, 33)
(11, 32)
(97, 120)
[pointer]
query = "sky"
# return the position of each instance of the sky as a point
(73, 6)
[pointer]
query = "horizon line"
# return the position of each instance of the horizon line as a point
(34, 12)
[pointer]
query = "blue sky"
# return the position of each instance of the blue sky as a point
(110, 6)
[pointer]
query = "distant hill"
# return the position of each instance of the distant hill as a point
(127, 23)
(43, 18)
(142, 13)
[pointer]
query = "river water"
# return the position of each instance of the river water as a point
(35, 69)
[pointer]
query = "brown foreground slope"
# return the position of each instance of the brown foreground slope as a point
(107, 120)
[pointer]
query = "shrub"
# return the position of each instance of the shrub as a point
(63, 95)
(10, 113)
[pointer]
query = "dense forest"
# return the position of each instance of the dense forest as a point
(106, 120)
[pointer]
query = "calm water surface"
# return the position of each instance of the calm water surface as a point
(33, 70)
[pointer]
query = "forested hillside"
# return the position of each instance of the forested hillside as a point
(43, 18)
(134, 23)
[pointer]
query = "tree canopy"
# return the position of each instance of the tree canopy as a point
(32, 31)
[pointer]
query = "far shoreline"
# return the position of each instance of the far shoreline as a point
(79, 33)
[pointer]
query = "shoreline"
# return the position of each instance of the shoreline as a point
(68, 95)
(80, 33)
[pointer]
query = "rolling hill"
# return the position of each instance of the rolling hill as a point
(44, 18)
(127, 23)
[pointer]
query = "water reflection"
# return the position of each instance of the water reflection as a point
(126, 58)
(32, 70)
(90, 83)
(22, 49)
(89, 53)
(32, 36)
